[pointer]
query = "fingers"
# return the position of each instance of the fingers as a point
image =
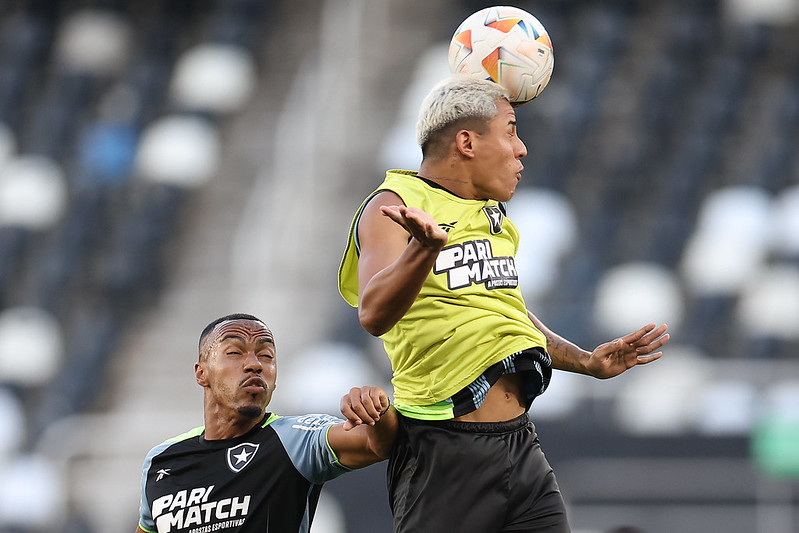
(653, 339)
(644, 359)
(418, 223)
(653, 333)
(638, 335)
(648, 338)
(393, 212)
(363, 405)
(651, 347)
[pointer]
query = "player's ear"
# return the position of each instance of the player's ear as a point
(199, 374)
(464, 143)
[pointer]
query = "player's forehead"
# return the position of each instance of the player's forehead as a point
(505, 112)
(242, 330)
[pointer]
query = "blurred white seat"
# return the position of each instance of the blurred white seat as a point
(313, 380)
(178, 150)
(730, 241)
(661, 398)
(769, 304)
(780, 400)
(548, 227)
(215, 78)
(31, 346)
(727, 408)
(762, 11)
(31, 494)
(93, 41)
(33, 192)
(633, 294)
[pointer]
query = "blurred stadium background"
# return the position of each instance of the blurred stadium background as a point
(166, 162)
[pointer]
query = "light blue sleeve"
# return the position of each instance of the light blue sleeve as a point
(146, 521)
(305, 440)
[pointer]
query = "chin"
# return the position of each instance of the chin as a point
(251, 411)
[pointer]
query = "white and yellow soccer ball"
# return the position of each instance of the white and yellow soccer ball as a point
(506, 45)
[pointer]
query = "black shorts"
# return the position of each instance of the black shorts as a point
(472, 478)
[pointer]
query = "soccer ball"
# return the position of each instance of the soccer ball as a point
(506, 45)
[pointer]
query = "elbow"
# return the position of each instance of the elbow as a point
(372, 322)
(382, 450)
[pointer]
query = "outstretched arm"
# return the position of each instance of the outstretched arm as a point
(368, 434)
(398, 248)
(609, 359)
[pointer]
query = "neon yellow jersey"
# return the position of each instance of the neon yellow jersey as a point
(470, 312)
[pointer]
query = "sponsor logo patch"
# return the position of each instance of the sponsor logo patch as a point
(473, 262)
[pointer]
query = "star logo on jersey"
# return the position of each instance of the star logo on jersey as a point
(495, 216)
(161, 473)
(240, 456)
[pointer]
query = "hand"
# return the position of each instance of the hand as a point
(614, 357)
(419, 224)
(363, 405)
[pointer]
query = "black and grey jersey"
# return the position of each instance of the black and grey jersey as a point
(268, 480)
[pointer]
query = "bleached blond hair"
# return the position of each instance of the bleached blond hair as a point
(457, 98)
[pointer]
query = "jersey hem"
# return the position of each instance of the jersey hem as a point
(413, 402)
(423, 412)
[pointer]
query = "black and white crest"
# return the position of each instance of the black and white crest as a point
(240, 456)
(495, 216)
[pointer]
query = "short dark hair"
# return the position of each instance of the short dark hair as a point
(235, 316)
(438, 141)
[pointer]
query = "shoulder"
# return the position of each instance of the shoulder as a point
(305, 440)
(194, 432)
(176, 441)
(303, 423)
(401, 187)
(300, 434)
(382, 197)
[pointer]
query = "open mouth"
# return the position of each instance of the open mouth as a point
(254, 384)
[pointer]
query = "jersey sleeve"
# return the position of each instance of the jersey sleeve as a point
(305, 440)
(146, 521)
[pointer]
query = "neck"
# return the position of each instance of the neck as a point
(451, 177)
(227, 424)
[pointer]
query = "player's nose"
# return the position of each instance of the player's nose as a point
(252, 363)
(521, 149)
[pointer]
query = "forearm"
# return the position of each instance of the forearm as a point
(565, 354)
(365, 444)
(389, 294)
(383, 433)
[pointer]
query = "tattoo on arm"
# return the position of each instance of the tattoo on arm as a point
(565, 355)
